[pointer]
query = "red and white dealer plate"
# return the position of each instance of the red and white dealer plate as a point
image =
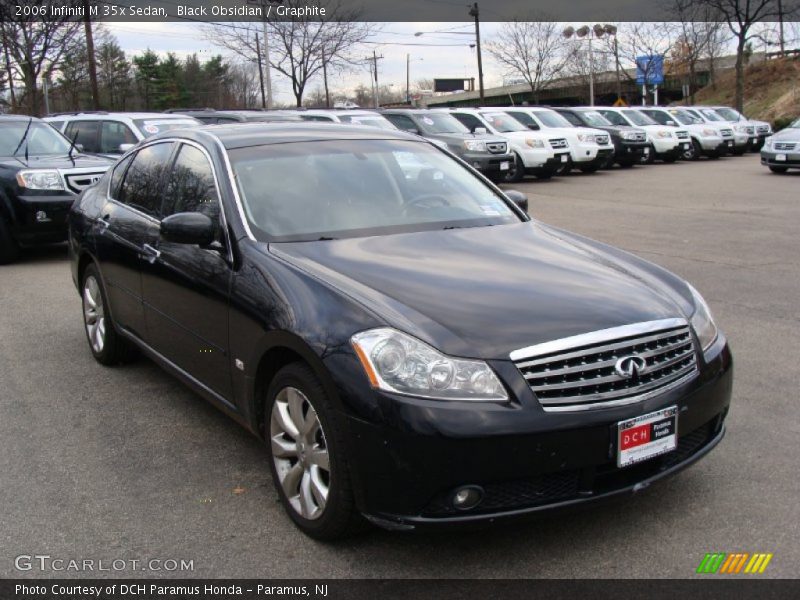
(647, 436)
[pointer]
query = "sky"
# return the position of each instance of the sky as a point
(426, 62)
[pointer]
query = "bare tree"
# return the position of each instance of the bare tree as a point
(299, 45)
(36, 47)
(532, 50)
(698, 36)
(741, 16)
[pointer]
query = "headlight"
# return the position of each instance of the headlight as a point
(664, 134)
(534, 143)
(40, 180)
(740, 128)
(768, 144)
(586, 137)
(710, 133)
(475, 146)
(629, 135)
(396, 362)
(702, 321)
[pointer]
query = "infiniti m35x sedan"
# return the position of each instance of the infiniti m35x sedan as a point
(413, 349)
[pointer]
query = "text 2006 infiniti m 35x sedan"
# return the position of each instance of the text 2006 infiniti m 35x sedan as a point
(410, 345)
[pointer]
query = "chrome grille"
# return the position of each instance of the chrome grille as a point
(682, 135)
(77, 182)
(559, 143)
(750, 130)
(579, 372)
(784, 145)
(726, 132)
(602, 140)
(497, 147)
(762, 129)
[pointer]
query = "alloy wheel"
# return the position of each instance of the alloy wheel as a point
(94, 314)
(300, 453)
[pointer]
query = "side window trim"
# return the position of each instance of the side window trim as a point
(129, 158)
(174, 142)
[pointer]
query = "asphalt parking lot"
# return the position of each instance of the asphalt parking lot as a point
(126, 463)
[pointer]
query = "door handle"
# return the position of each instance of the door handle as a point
(102, 222)
(150, 254)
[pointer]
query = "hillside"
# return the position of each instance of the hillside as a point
(771, 92)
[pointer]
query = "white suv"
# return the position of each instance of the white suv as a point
(741, 134)
(589, 149)
(367, 118)
(535, 152)
(706, 140)
(113, 134)
(666, 143)
(761, 129)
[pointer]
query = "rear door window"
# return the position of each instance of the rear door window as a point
(572, 118)
(113, 134)
(403, 122)
(86, 133)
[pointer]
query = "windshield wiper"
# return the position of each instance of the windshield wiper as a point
(324, 238)
(23, 140)
(72, 147)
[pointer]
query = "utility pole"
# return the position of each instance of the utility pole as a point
(260, 74)
(266, 64)
(780, 24)
(325, 79)
(8, 69)
(473, 12)
(374, 68)
(87, 27)
(616, 64)
(408, 78)
(46, 95)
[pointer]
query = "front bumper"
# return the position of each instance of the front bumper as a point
(583, 153)
(666, 146)
(488, 164)
(552, 165)
(41, 219)
(630, 151)
(770, 159)
(526, 460)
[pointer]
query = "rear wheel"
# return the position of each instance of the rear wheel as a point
(693, 151)
(650, 158)
(108, 347)
(308, 455)
(779, 169)
(516, 171)
(9, 250)
(625, 163)
(739, 151)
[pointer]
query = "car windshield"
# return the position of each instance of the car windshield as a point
(595, 119)
(795, 125)
(440, 123)
(41, 139)
(551, 119)
(355, 188)
(150, 127)
(614, 117)
(710, 114)
(685, 118)
(637, 118)
(729, 114)
(368, 120)
(503, 123)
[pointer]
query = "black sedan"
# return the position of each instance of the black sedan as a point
(413, 349)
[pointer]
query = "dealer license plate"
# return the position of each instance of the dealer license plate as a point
(564, 158)
(504, 166)
(780, 157)
(685, 146)
(646, 151)
(730, 143)
(647, 436)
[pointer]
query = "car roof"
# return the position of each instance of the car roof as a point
(123, 115)
(17, 118)
(242, 135)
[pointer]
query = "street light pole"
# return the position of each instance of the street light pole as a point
(474, 12)
(408, 78)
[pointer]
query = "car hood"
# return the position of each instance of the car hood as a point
(788, 134)
(55, 162)
(483, 292)
(460, 137)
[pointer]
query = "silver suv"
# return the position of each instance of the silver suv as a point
(781, 151)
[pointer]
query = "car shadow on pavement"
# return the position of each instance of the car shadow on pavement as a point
(39, 254)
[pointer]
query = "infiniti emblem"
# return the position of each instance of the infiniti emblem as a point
(630, 367)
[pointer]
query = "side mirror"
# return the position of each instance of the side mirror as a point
(672, 123)
(479, 130)
(79, 147)
(188, 228)
(414, 130)
(125, 147)
(533, 126)
(518, 198)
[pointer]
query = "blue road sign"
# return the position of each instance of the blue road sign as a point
(650, 69)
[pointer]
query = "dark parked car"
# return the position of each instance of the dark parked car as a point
(630, 143)
(409, 344)
(486, 153)
(209, 116)
(40, 175)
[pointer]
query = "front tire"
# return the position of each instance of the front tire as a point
(308, 455)
(107, 345)
(693, 152)
(650, 158)
(9, 250)
(516, 172)
(589, 169)
(779, 169)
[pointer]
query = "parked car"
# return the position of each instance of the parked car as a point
(706, 140)
(781, 151)
(411, 347)
(762, 128)
(210, 116)
(486, 153)
(535, 152)
(630, 143)
(741, 136)
(666, 143)
(589, 149)
(368, 118)
(40, 175)
(112, 134)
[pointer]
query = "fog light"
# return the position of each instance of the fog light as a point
(41, 216)
(467, 497)
(477, 165)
